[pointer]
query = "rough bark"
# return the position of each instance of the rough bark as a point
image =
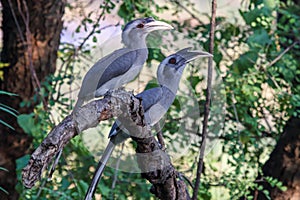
(153, 162)
(284, 164)
(31, 35)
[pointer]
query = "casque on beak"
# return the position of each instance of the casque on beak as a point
(190, 55)
(157, 25)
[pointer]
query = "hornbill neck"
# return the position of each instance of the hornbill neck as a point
(141, 44)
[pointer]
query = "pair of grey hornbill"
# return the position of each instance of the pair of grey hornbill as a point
(122, 66)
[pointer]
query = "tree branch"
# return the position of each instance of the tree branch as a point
(282, 53)
(90, 115)
(154, 163)
(208, 99)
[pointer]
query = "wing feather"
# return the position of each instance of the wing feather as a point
(118, 67)
(150, 97)
(92, 77)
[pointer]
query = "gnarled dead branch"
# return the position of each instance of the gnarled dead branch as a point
(153, 162)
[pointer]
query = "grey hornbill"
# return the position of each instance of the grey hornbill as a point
(155, 101)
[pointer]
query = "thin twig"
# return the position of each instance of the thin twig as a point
(188, 11)
(68, 63)
(64, 62)
(26, 20)
(28, 41)
(187, 180)
(55, 162)
(282, 54)
(236, 116)
(208, 99)
(41, 188)
(94, 27)
(234, 108)
(16, 21)
(276, 60)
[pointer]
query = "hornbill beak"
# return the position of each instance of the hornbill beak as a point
(190, 55)
(157, 25)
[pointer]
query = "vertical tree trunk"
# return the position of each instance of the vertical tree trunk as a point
(31, 52)
(284, 164)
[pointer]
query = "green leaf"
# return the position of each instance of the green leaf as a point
(245, 61)
(7, 93)
(151, 84)
(78, 29)
(279, 184)
(6, 124)
(4, 169)
(8, 110)
(270, 4)
(2, 65)
(94, 39)
(83, 186)
(194, 80)
(283, 188)
(3, 190)
(26, 121)
(65, 183)
(123, 12)
(260, 188)
(260, 37)
(250, 16)
(14, 110)
(22, 162)
(267, 194)
(104, 189)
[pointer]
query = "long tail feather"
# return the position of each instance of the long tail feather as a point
(99, 171)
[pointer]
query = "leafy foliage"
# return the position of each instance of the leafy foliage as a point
(256, 56)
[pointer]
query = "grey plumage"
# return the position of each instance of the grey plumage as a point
(121, 66)
(156, 102)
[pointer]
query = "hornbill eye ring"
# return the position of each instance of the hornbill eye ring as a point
(141, 25)
(172, 61)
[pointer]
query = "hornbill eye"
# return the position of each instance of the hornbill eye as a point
(141, 25)
(172, 61)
